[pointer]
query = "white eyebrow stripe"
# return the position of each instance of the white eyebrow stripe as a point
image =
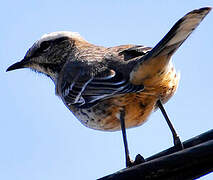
(59, 34)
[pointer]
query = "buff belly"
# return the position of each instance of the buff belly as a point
(138, 106)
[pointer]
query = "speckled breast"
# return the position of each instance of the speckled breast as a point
(138, 106)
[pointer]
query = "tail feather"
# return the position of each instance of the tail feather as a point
(157, 59)
(179, 32)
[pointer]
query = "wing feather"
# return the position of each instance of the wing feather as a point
(81, 87)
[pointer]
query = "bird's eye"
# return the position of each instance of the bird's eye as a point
(45, 46)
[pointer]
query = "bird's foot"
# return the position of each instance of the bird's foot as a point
(178, 144)
(138, 160)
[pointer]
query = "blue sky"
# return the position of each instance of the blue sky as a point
(41, 139)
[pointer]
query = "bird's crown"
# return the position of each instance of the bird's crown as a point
(60, 34)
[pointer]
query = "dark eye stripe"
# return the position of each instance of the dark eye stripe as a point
(45, 45)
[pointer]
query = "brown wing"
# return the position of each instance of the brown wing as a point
(135, 51)
(82, 85)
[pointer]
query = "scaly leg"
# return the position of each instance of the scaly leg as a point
(123, 129)
(176, 139)
(139, 159)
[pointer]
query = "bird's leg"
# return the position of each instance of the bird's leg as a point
(139, 159)
(123, 129)
(176, 139)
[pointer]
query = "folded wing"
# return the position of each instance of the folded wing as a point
(82, 86)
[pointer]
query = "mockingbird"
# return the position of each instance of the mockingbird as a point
(112, 88)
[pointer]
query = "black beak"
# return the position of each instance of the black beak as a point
(18, 65)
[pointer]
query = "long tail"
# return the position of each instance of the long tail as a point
(171, 41)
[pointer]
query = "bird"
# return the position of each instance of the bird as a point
(112, 88)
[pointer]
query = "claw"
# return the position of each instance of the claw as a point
(138, 160)
(178, 143)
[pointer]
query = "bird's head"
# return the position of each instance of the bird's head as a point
(49, 54)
